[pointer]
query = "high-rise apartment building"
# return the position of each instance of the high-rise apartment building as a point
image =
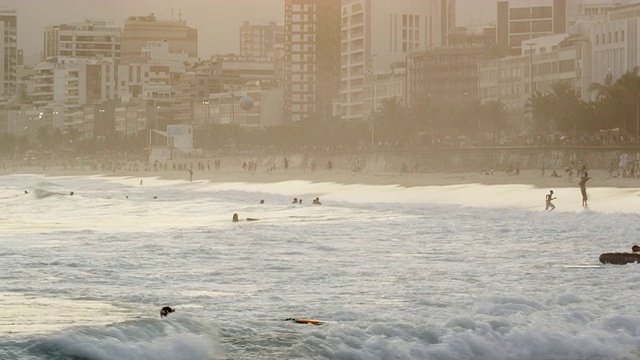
(312, 58)
(139, 30)
(614, 42)
(377, 34)
(519, 21)
(8, 51)
(89, 39)
(265, 40)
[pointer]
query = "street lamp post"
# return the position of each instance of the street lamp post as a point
(207, 111)
(530, 45)
(373, 112)
(101, 111)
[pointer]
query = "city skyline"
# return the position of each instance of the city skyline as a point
(218, 31)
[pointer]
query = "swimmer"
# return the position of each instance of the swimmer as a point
(635, 248)
(316, 201)
(235, 218)
(295, 201)
(261, 201)
(71, 193)
(26, 192)
(165, 311)
(155, 197)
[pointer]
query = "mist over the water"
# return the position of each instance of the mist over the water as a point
(458, 272)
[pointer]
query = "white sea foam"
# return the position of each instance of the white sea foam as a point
(460, 272)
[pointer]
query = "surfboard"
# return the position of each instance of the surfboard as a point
(305, 321)
(581, 266)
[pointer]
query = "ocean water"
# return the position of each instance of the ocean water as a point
(455, 272)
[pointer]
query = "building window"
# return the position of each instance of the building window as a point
(542, 26)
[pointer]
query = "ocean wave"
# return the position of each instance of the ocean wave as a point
(42, 193)
(175, 338)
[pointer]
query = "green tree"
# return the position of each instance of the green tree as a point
(492, 117)
(565, 107)
(626, 96)
(44, 137)
(423, 114)
(604, 106)
(391, 121)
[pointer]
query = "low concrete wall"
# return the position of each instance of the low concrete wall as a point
(455, 160)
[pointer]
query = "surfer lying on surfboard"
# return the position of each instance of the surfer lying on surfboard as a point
(305, 321)
(236, 218)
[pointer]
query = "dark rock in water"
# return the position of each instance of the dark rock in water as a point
(619, 258)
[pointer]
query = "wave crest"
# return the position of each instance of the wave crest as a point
(146, 339)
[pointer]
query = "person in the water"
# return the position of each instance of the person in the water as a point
(583, 189)
(165, 311)
(635, 248)
(316, 201)
(235, 217)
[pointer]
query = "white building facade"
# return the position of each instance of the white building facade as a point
(616, 43)
(377, 34)
(89, 39)
(555, 58)
(8, 51)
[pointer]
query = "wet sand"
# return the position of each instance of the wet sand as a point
(599, 178)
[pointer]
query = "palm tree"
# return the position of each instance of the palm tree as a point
(391, 120)
(43, 136)
(492, 117)
(540, 108)
(423, 113)
(604, 104)
(626, 95)
(565, 106)
(603, 91)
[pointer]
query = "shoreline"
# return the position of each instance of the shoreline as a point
(599, 178)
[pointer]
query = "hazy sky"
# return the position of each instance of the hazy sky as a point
(217, 21)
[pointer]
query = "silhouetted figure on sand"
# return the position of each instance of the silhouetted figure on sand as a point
(549, 198)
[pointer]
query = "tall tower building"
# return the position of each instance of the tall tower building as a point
(521, 20)
(312, 58)
(378, 34)
(89, 39)
(262, 40)
(8, 51)
(139, 30)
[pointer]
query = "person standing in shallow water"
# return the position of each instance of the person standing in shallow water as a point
(583, 189)
(549, 198)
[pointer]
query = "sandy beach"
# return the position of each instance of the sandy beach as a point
(599, 178)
